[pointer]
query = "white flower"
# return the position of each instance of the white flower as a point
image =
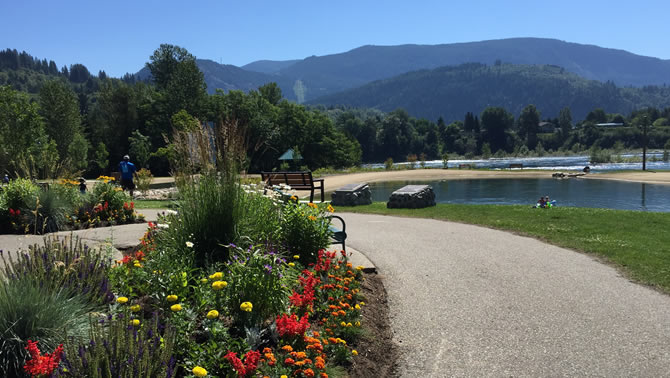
(170, 212)
(163, 225)
(189, 244)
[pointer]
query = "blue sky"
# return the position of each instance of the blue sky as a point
(119, 36)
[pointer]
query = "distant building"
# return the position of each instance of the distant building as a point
(609, 124)
(547, 127)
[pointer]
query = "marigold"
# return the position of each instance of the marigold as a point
(219, 285)
(213, 314)
(176, 307)
(135, 308)
(199, 372)
(354, 352)
(135, 322)
(246, 306)
(287, 348)
(122, 300)
(172, 298)
(216, 276)
(289, 361)
(308, 373)
(291, 264)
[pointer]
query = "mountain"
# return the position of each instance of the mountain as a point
(452, 91)
(269, 66)
(332, 73)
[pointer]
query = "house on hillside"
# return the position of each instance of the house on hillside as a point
(546, 127)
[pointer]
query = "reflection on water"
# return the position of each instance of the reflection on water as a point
(569, 192)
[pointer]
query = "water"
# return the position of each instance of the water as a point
(560, 163)
(568, 192)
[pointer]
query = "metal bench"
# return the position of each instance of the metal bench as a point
(296, 180)
(339, 234)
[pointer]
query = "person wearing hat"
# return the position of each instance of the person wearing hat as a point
(5, 179)
(127, 170)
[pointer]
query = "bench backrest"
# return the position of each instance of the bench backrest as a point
(292, 179)
(516, 165)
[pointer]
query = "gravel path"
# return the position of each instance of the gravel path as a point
(471, 301)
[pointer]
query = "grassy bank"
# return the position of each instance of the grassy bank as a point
(637, 242)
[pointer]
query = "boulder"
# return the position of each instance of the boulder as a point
(412, 197)
(352, 195)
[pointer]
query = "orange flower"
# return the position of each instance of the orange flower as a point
(308, 373)
(287, 348)
(320, 363)
(289, 361)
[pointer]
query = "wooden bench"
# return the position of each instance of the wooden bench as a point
(466, 166)
(296, 180)
(339, 234)
(516, 165)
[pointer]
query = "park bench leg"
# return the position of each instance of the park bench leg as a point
(311, 195)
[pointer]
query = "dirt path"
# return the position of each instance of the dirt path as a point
(471, 301)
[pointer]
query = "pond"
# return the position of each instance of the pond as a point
(568, 192)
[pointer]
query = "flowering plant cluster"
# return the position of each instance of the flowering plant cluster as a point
(42, 365)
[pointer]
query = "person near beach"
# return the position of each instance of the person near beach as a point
(127, 170)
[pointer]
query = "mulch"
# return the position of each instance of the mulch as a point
(377, 353)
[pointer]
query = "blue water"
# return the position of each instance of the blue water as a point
(560, 163)
(567, 192)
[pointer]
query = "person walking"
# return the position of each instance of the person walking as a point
(127, 170)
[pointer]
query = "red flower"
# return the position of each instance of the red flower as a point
(132, 205)
(139, 255)
(42, 365)
(250, 364)
(290, 326)
(11, 212)
(126, 259)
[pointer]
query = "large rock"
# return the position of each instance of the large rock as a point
(412, 197)
(352, 195)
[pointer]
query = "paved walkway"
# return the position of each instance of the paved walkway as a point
(471, 301)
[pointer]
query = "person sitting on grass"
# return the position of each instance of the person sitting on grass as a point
(541, 202)
(127, 170)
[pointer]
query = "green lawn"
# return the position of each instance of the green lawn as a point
(154, 204)
(638, 242)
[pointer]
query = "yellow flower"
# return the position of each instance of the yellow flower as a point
(360, 267)
(135, 322)
(296, 256)
(312, 205)
(312, 218)
(175, 307)
(293, 198)
(216, 276)
(343, 324)
(349, 324)
(331, 209)
(362, 303)
(204, 280)
(137, 264)
(354, 352)
(246, 306)
(218, 285)
(212, 314)
(172, 298)
(357, 307)
(284, 376)
(135, 308)
(122, 300)
(199, 372)
(291, 264)
(357, 324)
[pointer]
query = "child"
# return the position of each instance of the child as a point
(82, 185)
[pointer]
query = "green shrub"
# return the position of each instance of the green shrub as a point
(28, 311)
(258, 277)
(63, 264)
(304, 230)
(445, 160)
(143, 180)
(117, 349)
(49, 212)
(19, 194)
(259, 222)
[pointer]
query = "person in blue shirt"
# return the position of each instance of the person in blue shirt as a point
(127, 170)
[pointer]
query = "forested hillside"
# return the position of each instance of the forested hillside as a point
(323, 75)
(450, 92)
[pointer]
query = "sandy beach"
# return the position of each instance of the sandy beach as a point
(333, 182)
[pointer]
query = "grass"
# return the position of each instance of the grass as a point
(635, 241)
(154, 204)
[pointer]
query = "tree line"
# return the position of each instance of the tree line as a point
(85, 123)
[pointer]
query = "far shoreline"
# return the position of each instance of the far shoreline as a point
(335, 181)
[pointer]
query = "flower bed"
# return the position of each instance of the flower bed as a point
(261, 301)
(26, 208)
